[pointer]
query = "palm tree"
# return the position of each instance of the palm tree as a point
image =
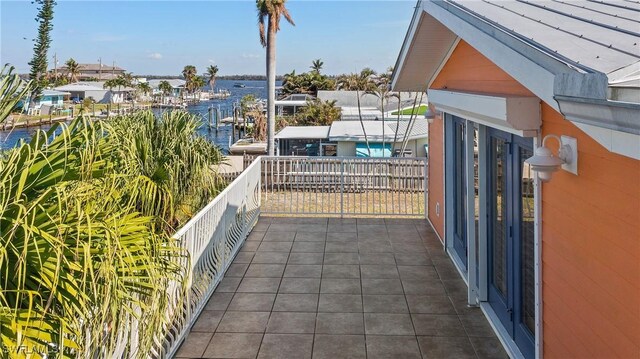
(144, 88)
(166, 88)
(189, 72)
(73, 69)
(357, 82)
(269, 12)
(382, 91)
(212, 72)
(86, 222)
(316, 65)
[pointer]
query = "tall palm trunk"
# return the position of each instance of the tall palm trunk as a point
(383, 140)
(271, 86)
(364, 131)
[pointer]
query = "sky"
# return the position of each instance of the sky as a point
(161, 37)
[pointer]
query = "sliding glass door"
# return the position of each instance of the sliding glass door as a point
(510, 228)
(456, 184)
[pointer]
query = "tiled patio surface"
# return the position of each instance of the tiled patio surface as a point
(332, 288)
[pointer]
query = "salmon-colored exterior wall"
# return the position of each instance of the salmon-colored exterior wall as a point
(590, 228)
(436, 178)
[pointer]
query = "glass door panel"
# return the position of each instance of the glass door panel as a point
(511, 239)
(459, 191)
(498, 236)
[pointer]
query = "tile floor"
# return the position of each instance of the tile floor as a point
(341, 288)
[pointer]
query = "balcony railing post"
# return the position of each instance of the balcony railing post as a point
(342, 189)
(425, 191)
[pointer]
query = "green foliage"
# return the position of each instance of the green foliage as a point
(38, 62)
(167, 151)
(316, 65)
(85, 218)
(73, 69)
(306, 83)
(246, 102)
(318, 113)
(12, 91)
(165, 87)
(271, 11)
(212, 72)
(193, 82)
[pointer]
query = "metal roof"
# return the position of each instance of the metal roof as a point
(54, 93)
(580, 57)
(603, 36)
(352, 130)
(308, 132)
(175, 83)
(350, 99)
(80, 87)
(94, 67)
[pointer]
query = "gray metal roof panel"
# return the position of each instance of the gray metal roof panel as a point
(598, 47)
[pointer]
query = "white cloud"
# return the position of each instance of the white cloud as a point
(155, 56)
(212, 61)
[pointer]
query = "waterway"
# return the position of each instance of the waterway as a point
(11, 138)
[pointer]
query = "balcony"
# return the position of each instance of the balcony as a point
(323, 287)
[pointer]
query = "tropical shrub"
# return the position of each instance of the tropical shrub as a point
(86, 259)
(319, 113)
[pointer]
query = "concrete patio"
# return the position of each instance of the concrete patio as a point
(341, 288)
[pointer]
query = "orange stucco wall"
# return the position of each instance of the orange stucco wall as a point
(590, 229)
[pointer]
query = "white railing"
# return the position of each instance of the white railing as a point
(285, 185)
(212, 239)
(344, 186)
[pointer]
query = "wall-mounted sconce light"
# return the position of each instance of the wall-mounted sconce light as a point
(431, 113)
(544, 162)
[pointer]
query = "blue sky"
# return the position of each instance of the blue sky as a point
(161, 37)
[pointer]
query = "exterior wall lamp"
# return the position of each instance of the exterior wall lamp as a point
(431, 114)
(544, 162)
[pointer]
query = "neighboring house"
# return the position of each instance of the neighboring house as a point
(554, 266)
(383, 139)
(48, 99)
(98, 72)
(289, 105)
(305, 141)
(346, 138)
(52, 98)
(370, 105)
(177, 86)
(96, 90)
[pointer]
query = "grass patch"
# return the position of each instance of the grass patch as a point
(411, 111)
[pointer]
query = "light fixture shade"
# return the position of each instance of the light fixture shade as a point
(430, 115)
(544, 158)
(544, 163)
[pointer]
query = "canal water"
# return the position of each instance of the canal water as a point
(11, 138)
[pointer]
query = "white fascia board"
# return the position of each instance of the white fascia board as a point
(622, 143)
(407, 43)
(515, 114)
(537, 78)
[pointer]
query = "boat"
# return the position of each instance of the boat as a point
(237, 84)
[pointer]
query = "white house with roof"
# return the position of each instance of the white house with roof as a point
(347, 138)
(370, 108)
(79, 91)
(177, 86)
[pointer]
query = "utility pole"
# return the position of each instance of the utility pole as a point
(113, 69)
(55, 66)
(100, 69)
